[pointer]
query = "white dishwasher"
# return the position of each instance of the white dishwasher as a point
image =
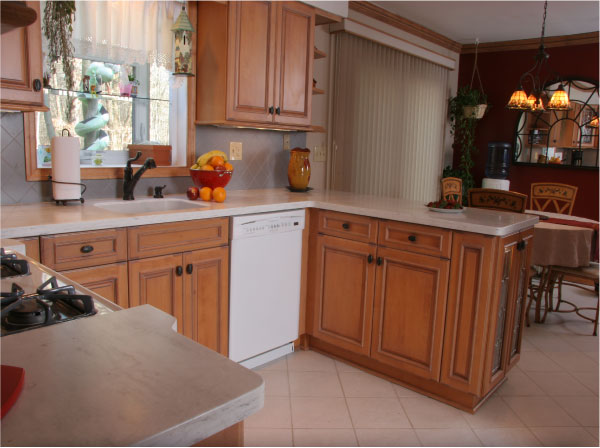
(264, 292)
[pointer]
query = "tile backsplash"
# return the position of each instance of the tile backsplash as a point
(263, 164)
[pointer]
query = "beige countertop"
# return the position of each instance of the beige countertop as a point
(47, 218)
(144, 384)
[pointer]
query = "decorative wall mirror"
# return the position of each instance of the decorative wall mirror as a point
(561, 138)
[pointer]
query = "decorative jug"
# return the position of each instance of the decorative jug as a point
(299, 168)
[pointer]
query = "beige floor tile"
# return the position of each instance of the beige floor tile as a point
(448, 437)
(387, 437)
(362, 384)
(507, 437)
(267, 437)
(343, 367)
(519, 384)
(574, 362)
(405, 392)
(320, 413)
(275, 414)
(425, 412)
(315, 384)
(593, 430)
(588, 379)
(594, 356)
(538, 362)
(309, 361)
(276, 382)
(494, 413)
(527, 346)
(278, 364)
(550, 343)
(377, 413)
(582, 409)
(582, 343)
(559, 383)
(324, 437)
(538, 411)
(561, 436)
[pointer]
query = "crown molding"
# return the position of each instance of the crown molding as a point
(533, 44)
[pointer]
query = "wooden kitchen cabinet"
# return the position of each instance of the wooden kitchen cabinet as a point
(21, 67)
(32, 247)
(254, 64)
(343, 279)
(109, 281)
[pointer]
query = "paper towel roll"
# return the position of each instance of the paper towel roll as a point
(65, 168)
(498, 184)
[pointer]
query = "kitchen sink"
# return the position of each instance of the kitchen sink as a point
(149, 205)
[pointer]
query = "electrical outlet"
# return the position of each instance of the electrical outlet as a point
(320, 154)
(235, 150)
(286, 141)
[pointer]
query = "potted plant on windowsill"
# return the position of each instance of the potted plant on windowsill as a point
(134, 83)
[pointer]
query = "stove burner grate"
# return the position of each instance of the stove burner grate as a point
(12, 266)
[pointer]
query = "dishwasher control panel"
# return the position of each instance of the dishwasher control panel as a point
(267, 223)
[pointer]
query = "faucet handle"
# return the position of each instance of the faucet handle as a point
(158, 191)
(137, 156)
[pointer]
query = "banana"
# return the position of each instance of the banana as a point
(204, 158)
(195, 166)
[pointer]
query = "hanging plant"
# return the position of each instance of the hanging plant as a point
(58, 28)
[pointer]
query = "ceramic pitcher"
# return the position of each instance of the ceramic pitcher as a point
(299, 168)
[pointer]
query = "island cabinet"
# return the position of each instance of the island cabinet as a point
(254, 64)
(21, 66)
(437, 310)
(182, 268)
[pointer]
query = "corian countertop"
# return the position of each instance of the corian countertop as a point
(144, 384)
(47, 218)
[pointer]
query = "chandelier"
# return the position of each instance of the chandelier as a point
(533, 102)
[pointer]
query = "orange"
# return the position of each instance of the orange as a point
(207, 168)
(206, 193)
(219, 194)
(228, 166)
(216, 161)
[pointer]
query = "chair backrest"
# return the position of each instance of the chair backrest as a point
(493, 199)
(452, 188)
(560, 198)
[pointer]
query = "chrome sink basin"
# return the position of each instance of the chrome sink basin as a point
(149, 205)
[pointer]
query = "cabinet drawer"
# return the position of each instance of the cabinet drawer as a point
(416, 238)
(175, 237)
(109, 281)
(354, 227)
(83, 249)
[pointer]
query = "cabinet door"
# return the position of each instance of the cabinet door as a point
(294, 71)
(206, 292)
(409, 311)
(469, 297)
(155, 281)
(109, 281)
(251, 61)
(21, 66)
(343, 295)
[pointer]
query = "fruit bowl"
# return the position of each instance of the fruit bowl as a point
(212, 179)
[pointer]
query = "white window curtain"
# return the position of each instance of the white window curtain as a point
(389, 112)
(132, 32)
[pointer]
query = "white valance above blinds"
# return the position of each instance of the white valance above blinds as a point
(389, 113)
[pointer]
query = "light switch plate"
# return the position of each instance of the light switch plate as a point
(235, 150)
(320, 153)
(286, 141)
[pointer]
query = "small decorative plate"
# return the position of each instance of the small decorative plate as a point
(300, 190)
(446, 210)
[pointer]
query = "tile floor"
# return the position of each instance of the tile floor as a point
(549, 399)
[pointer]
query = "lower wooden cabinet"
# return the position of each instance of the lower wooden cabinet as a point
(109, 281)
(192, 287)
(410, 311)
(343, 279)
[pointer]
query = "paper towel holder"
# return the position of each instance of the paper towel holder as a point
(64, 201)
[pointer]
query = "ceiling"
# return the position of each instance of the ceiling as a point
(493, 21)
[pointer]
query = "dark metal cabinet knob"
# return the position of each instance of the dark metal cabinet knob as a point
(379, 261)
(189, 268)
(412, 238)
(271, 110)
(370, 259)
(37, 85)
(86, 249)
(179, 270)
(346, 226)
(278, 111)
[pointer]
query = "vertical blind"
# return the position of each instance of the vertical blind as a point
(389, 111)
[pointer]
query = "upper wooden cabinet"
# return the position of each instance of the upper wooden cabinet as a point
(254, 64)
(21, 67)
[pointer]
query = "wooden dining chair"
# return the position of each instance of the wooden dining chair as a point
(493, 199)
(553, 197)
(452, 189)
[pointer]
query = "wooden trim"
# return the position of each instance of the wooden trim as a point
(325, 17)
(231, 436)
(248, 125)
(304, 273)
(317, 91)
(378, 13)
(533, 44)
(318, 54)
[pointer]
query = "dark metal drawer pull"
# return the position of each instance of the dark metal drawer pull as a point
(412, 238)
(346, 226)
(86, 249)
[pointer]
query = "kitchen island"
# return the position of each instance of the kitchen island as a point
(433, 301)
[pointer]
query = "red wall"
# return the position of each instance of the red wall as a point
(500, 73)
